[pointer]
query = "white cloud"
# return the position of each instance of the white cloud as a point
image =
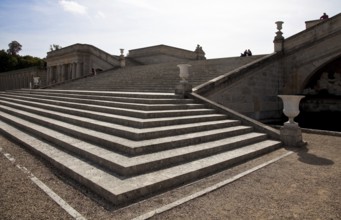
(100, 14)
(140, 4)
(223, 29)
(73, 7)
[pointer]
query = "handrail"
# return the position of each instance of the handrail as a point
(258, 126)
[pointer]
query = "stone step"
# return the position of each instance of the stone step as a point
(83, 116)
(126, 104)
(149, 95)
(122, 190)
(54, 119)
(126, 165)
(67, 107)
(123, 145)
(116, 98)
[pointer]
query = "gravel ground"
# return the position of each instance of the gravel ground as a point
(303, 185)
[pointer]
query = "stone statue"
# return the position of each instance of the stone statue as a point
(335, 87)
(323, 82)
(200, 53)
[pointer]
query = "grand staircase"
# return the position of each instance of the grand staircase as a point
(124, 145)
(156, 77)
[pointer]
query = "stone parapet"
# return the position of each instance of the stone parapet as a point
(161, 54)
(311, 23)
(327, 27)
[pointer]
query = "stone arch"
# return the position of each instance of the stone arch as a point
(331, 66)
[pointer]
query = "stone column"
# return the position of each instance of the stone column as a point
(74, 71)
(62, 73)
(48, 75)
(78, 70)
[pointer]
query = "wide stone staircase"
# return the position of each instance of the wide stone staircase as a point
(125, 146)
(156, 77)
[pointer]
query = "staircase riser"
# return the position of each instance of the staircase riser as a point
(188, 141)
(126, 149)
(122, 112)
(156, 165)
(135, 170)
(126, 104)
(146, 191)
(66, 170)
(115, 120)
(85, 146)
(122, 133)
(179, 131)
(197, 174)
(121, 94)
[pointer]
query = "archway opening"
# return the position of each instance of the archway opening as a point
(321, 108)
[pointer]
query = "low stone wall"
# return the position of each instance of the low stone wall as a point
(325, 28)
(18, 79)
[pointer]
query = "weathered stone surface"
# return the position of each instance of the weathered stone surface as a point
(291, 135)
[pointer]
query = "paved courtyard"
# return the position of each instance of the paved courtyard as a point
(303, 185)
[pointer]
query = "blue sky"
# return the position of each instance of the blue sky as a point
(223, 28)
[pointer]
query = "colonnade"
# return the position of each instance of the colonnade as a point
(64, 72)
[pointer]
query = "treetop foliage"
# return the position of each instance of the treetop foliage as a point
(11, 60)
(14, 48)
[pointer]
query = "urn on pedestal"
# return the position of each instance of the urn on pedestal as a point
(291, 105)
(184, 87)
(290, 133)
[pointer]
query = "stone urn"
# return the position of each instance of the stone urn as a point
(279, 25)
(291, 106)
(122, 59)
(184, 73)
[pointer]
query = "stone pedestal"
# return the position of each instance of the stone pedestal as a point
(183, 88)
(279, 39)
(291, 135)
(122, 59)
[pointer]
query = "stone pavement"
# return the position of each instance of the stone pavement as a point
(303, 185)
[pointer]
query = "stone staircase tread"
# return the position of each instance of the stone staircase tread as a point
(106, 103)
(125, 162)
(120, 190)
(107, 126)
(113, 93)
(105, 109)
(119, 141)
(142, 121)
(109, 98)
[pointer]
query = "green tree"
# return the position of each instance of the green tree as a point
(10, 62)
(14, 48)
(7, 61)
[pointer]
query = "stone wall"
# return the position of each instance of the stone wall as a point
(310, 50)
(22, 78)
(325, 28)
(312, 23)
(251, 89)
(161, 54)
